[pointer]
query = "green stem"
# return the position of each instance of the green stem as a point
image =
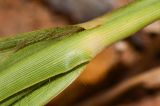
(24, 69)
(123, 25)
(130, 8)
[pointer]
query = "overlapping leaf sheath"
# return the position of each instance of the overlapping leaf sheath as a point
(40, 61)
(25, 39)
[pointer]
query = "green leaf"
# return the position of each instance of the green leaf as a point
(49, 88)
(39, 61)
(25, 39)
(5, 55)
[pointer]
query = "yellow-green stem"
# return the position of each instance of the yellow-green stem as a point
(63, 56)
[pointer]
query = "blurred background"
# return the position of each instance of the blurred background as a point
(124, 74)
